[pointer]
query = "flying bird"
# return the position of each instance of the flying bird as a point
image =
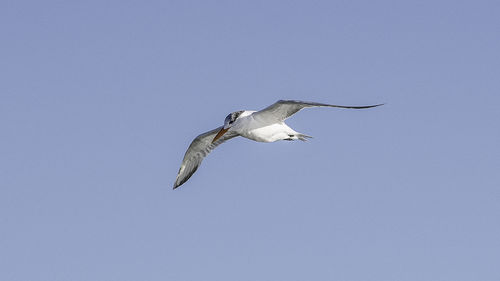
(266, 125)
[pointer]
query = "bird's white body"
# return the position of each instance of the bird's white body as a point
(258, 129)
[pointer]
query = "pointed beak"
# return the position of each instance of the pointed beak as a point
(219, 134)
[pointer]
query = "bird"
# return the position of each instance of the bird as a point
(266, 125)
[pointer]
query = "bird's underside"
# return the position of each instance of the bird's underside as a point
(266, 125)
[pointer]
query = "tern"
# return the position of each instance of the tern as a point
(266, 125)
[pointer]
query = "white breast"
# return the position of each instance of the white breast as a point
(253, 129)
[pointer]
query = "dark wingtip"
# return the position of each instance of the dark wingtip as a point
(370, 106)
(363, 107)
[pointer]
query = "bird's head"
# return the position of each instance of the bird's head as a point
(228, 123)
(231, 118)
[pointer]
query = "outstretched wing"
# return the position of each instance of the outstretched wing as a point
(282, 109)
(200, 147)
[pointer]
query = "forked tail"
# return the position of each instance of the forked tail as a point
(303, 137)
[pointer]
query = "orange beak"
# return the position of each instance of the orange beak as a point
(219, 134)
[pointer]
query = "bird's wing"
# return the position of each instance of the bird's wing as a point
(200, 147)
(282, 109)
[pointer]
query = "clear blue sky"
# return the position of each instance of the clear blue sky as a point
(100, 99)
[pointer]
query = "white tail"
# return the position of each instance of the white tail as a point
(303, 137)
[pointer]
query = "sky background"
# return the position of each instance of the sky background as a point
(100, 99)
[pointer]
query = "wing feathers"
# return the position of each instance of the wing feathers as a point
(200, 147)
(282, 109)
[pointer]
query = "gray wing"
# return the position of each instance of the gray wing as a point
(282, 109)
(200, 147)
